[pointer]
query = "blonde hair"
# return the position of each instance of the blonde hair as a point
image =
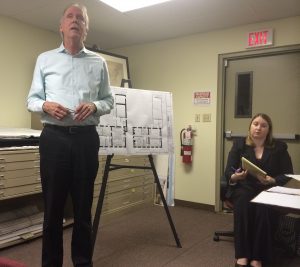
(269, 142)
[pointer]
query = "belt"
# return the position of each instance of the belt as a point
(71, 129)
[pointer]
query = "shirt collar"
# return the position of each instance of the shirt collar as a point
(62, 49)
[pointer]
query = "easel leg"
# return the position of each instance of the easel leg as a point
(164, 201)
(100, 201)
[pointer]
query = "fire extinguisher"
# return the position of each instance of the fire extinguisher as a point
(186, 142)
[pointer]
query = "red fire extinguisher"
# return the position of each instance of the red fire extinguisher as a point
(186, 142)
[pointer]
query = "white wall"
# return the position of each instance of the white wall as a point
(189, 64)
(20, 45)
(181, 65)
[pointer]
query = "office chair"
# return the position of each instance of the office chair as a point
(228, 205)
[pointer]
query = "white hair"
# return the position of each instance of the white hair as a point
(85, 16)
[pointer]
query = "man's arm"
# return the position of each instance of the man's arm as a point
(36, 96)
(105, 101)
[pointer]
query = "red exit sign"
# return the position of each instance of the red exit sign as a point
(260, 38)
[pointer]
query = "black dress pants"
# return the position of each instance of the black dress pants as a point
(69, 165)
(254, 226)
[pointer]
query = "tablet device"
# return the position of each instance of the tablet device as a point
(252, 168)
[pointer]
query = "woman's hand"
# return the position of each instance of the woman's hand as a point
(266, 179)
(238, 176)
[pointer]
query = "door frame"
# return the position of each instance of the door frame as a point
(223, 60)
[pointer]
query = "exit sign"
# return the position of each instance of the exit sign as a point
(260, 38)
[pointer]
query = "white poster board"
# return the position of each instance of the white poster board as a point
(141, 123)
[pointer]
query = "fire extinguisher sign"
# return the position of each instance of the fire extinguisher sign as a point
(202, 98)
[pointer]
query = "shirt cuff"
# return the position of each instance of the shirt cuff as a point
(232, 183)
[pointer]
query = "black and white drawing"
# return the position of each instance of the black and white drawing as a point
(140, 123)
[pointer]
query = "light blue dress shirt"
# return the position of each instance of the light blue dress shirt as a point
(70, 80)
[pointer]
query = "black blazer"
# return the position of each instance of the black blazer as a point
(275, 161)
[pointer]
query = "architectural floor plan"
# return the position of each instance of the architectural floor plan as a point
(140, 123)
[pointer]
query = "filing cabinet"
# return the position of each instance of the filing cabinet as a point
(19, 173)
(21, 203)
(21, 212)
(127, 188)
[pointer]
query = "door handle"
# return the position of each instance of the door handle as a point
(229, 134)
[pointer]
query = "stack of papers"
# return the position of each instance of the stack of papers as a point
(294, 176)
(280, 196)
(20, 223)
(284, 190)
(18, 133)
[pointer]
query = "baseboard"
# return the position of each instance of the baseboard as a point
(194, 205)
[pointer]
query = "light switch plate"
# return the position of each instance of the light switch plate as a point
(206, 117)
(197, 118)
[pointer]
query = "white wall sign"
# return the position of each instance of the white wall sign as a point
(203, 97)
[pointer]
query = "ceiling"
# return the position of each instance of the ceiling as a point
(111, 29)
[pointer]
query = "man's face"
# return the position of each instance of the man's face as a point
(73, 24)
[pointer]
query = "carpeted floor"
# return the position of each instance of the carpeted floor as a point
(144, 238)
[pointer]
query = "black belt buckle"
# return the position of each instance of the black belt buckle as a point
(73, 129)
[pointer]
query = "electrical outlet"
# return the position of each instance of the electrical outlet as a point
(197, 118)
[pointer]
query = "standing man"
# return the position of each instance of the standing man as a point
(70, 89)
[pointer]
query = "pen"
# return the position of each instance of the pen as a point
(236, 170)
(70, 110)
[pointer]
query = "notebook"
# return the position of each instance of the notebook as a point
(252, 168)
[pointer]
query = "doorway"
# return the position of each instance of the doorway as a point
(250, 82)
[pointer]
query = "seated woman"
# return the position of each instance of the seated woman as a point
(254, 223)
